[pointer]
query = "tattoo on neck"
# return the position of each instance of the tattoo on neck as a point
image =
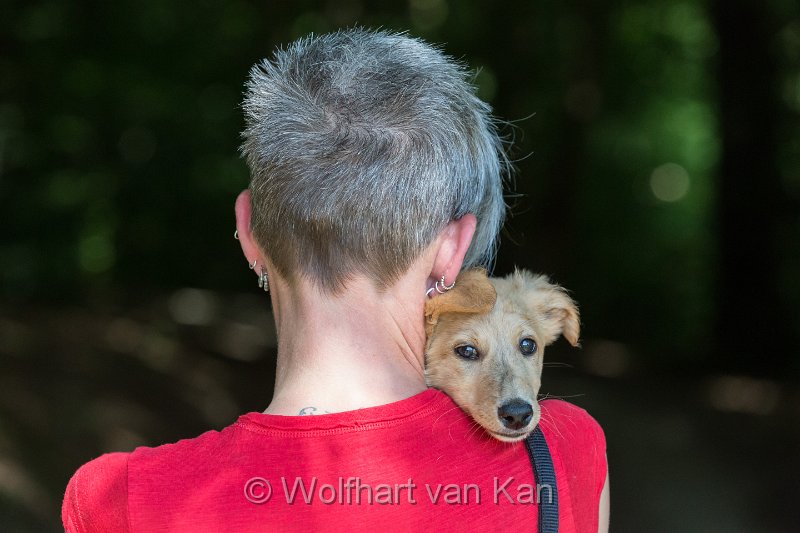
(310, 410)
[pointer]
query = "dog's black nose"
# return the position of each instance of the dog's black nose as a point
(515, 414)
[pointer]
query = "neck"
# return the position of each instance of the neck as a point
(339, 353)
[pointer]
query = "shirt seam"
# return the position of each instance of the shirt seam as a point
(80, 521)
(356, 427)
(128, 526)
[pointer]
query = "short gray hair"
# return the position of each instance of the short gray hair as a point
(362, 146)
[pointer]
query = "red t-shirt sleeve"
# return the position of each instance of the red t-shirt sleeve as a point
(581, 447)
(97, 496)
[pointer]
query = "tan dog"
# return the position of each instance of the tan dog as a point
(485, 347)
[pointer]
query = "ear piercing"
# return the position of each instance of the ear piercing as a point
(263, 280)
(441, 287)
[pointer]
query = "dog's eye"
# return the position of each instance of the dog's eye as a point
(467, 351)
(527, 346)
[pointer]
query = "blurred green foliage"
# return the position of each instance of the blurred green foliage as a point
(119, 132)
(128, 316)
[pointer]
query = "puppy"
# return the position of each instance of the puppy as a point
(485, 347)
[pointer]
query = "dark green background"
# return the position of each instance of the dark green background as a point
(658, 177)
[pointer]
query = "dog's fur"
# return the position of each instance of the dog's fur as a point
(498, 388)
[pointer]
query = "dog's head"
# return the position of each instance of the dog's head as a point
(486, 340)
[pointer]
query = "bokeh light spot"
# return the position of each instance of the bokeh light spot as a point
(743, 394)
(669, 182)
(96, 252)
(193, 307)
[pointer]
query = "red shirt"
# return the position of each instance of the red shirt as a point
(417, 464)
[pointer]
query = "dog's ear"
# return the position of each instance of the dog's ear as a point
(552, 306)
(473, 293)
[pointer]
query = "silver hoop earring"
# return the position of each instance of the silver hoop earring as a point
(253, 265)
(236, 234)
(263, 280)
(441, 287)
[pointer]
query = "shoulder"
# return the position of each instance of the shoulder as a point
(100, 495)
(563, 421)
(576, 436)
(578, 446)
(97, 496)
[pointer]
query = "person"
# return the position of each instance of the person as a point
(376, 172)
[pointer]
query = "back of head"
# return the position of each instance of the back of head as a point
(362, 146)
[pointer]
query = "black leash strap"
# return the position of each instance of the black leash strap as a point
(545, 475)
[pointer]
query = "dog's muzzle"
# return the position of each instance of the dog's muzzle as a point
(515, 414)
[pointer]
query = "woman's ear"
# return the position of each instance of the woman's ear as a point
(243, 214)
(453, 242)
